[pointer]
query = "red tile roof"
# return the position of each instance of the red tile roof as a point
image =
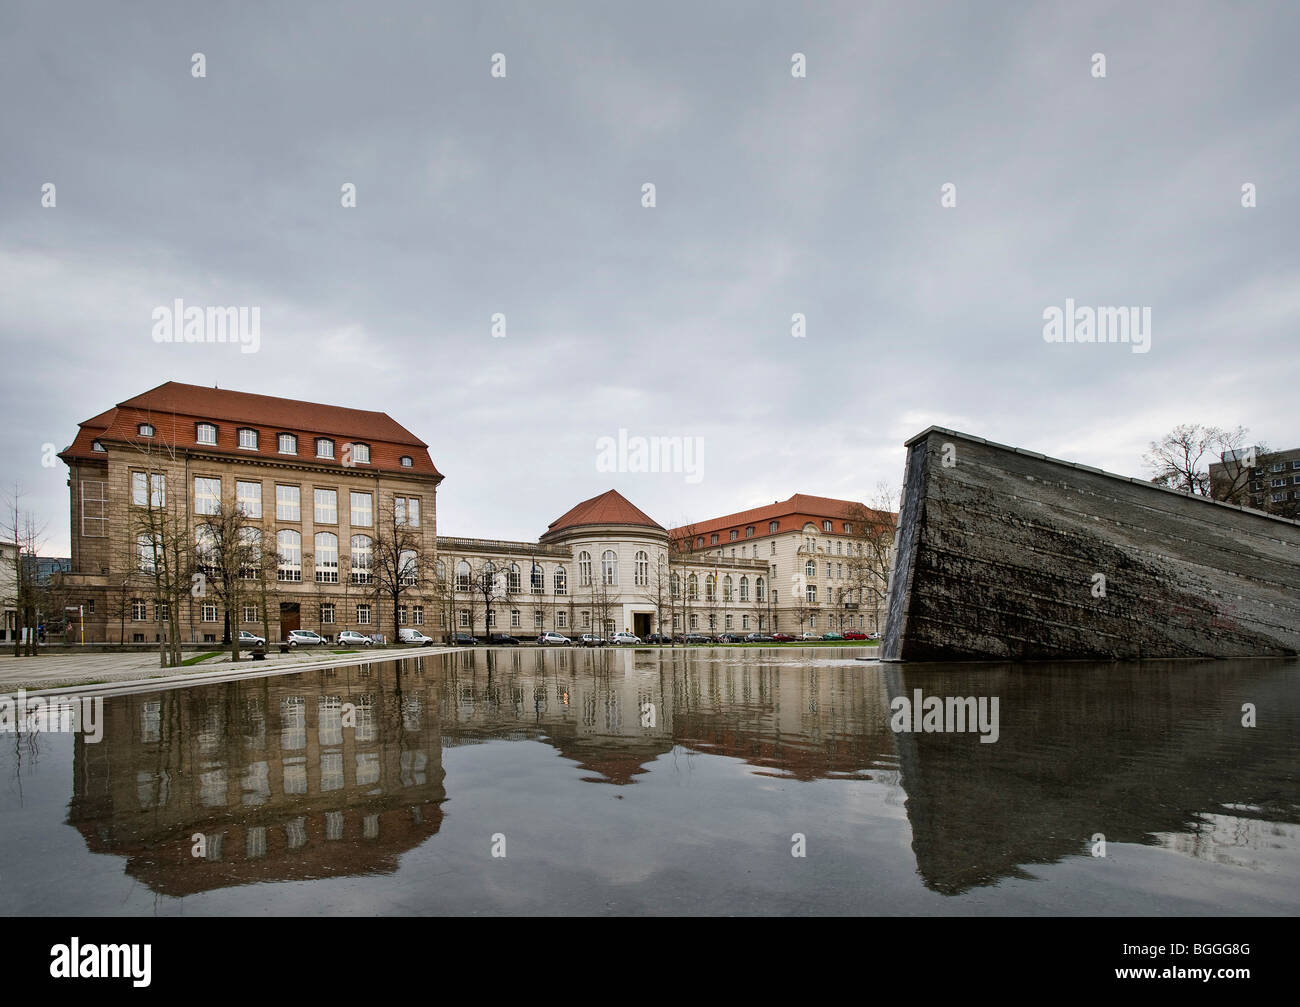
(175, 410)
(611, 507)
(792, 514)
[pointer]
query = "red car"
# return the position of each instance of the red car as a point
(782, 638)
(855, 635)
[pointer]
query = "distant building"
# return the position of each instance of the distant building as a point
(1271, 484)
(8, 591)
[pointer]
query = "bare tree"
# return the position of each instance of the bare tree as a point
(488, 585)
(1180, 459)
(230, 558)
(22, 529)
(871, 547)
(398, 570)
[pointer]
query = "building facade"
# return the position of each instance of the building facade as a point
(802, 565)
(1271, 483)
(326, 491)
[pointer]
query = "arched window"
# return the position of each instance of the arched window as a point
(408, 568)
(759, 590)
(362, 559)
(726, 588)
(489, 571)
(744, 589)
(516, 582)
(462, 576)
(675, 585)
(642, 576)
(693, 587)
(327, 558)
(711, 587)
(441, 571)
(609, 568)
(810, 569)
(537, 580)
(288, 544)
(584, 569)
(561, 581)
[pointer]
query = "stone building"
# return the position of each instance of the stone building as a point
(327, 488)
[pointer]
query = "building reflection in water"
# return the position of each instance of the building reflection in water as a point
(333, 773)
(310, 775)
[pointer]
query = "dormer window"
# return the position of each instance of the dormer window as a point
(772, 526)
(206, 433)
(96, 446)
(361, 454)
(324, 447)
(826, 526)
(145, 429)
(288, 444)
(407, 462)
(248, 438)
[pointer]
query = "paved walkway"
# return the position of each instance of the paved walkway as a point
(53, 671)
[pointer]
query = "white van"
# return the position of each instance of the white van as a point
(414, 636)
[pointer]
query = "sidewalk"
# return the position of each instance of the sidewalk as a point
(59, 671)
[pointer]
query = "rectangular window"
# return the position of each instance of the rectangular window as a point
(562, 620)
(401, 615)
(137, 610)
(287, 503)
(537, 619)
(324, 447)
(140, 489)
(362, 514)
(464, 619)
(250, 613)
(327, 507)
(209, 611)
(248, 498)
(407, 510)
(363, 615)
(417, 615)
(327, 613)
(514, 618)
(361, 454)
(207, 495)
(248, 439)
(586, 620)
(492, 619)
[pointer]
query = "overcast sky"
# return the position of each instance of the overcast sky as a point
(775, 195)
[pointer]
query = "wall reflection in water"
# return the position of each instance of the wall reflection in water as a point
(335, 773)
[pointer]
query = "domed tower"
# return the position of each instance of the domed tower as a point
(620, 559)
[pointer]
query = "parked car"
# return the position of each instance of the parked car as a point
(590, 640)
(658, 638)
(758, 638)
(810, 636)
(464, 640)
(730, 638)
(503, 640)
(554, 640)
(698, 638)
(874, 636)
(855, 634)
(782, 638)
(351, 638)
(623, 638)
(832, 636)
(247, 639)
(304, 638)
(408, 634)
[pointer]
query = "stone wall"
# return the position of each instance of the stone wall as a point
(1008, 554)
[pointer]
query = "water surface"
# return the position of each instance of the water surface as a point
(648, 781)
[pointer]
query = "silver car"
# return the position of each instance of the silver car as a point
(304, 637)
(352, 638)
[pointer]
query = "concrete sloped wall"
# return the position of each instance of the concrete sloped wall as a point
(999, 551)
